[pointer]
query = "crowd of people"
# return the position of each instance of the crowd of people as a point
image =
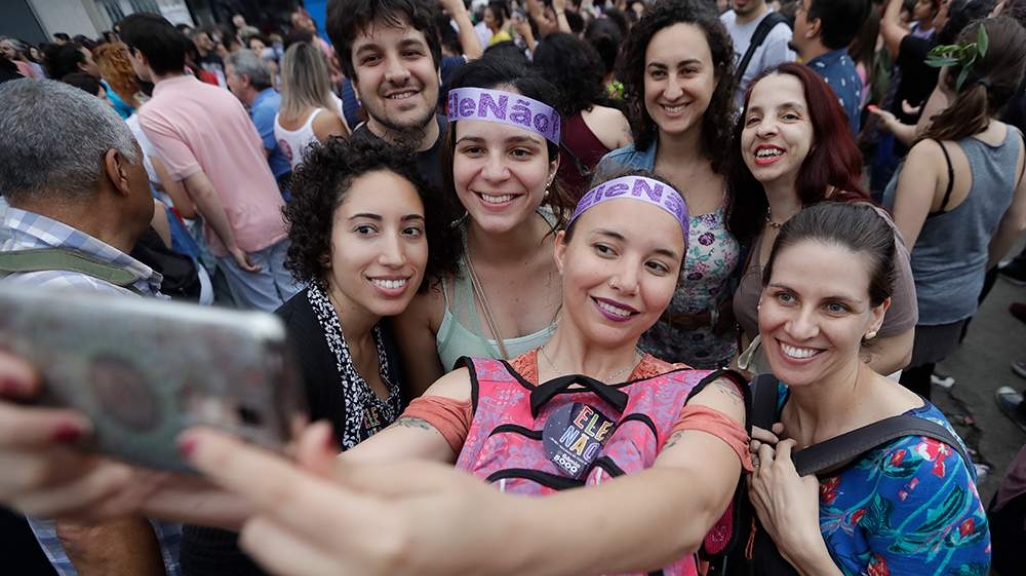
(535, 248)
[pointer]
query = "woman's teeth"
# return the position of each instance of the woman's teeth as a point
(674, 109)
(798, 353)
(613, 309)
(768, 153)
(497, 199)
(389, 284)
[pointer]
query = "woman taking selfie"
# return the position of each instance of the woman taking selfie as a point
(661, 430)
(907, 506)
(793, 150)
(499, 295)
(679, 79)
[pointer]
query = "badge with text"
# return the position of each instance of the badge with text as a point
(573, 437)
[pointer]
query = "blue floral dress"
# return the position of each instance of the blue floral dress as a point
(713, 253)
(908, 507)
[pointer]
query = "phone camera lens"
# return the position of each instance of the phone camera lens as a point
(249, 416)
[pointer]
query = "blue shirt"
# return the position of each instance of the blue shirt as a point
(263, 111)
(838, 70)
(120, 106)
(909, 506)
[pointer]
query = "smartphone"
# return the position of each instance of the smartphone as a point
(145, 370)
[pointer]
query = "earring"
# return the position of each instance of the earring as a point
(871, 334)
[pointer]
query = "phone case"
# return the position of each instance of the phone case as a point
(145, 370)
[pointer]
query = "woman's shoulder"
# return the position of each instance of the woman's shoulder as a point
(914, 464)
(627, 157)
(295, 309)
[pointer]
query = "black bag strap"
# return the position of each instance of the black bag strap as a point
(764, 401)
(38, 260)
(951, 182)
(546, 391)
(761, 32)
(829, 453)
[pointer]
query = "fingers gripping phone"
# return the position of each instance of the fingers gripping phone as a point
(145, 370)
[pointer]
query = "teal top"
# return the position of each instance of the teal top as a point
(455, 340)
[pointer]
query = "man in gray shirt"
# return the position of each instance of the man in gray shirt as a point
(741, 23)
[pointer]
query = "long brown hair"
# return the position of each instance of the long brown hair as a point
(991, 83)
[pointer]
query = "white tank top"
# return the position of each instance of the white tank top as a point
(294, 143)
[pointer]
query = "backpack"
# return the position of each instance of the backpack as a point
(758, 555)
(769, 22)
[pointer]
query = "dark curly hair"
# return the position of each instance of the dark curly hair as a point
(319, 186)
(718, 119)
(573, 66)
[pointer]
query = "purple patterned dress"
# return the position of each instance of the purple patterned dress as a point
(713, 254)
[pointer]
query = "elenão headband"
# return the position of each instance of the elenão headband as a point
(637, 188)
(505, 108)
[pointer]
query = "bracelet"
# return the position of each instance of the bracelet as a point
(560, 13)
(714, 316)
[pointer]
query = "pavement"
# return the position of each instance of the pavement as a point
(980, 366)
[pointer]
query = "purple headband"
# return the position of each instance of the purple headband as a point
(640, 188)
(505, 108)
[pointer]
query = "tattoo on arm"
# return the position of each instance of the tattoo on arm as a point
(411, 422)
(674, 439)
(727, 388)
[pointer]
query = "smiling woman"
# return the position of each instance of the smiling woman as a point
(678, 68)
(793, 149)
(499, 295)
(906, 506)
(359, 229)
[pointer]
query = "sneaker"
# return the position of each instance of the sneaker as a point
(942, 380)
(1008, 400)
(1019, 367)
(1018, 309)
(1014, 271)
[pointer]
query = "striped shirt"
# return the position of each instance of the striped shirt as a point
(22, 230)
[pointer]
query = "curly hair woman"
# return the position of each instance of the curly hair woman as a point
(359, 228)
(590, 129)
(678, 73)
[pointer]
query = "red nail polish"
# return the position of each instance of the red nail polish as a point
(10, 387)
(68, 433)
(187, 446)
(329, 441)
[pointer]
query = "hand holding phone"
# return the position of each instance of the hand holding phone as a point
(143, 371)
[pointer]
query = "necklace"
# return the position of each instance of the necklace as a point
(770, 222)
(610, 376)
